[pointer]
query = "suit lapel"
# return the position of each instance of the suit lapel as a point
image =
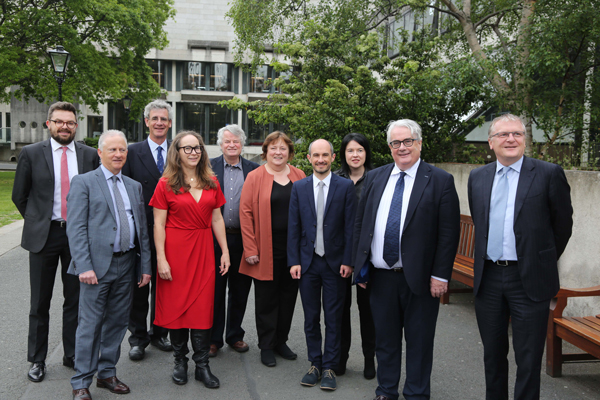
(525, 180)
(486, 191)
(378, 189)
(133, 201)
(47, 149)
(310, 195)
(421, 181)
(103, 184)
(219, 170)
(245, 167)
(147, 159)
(79, 155)
(333, 184)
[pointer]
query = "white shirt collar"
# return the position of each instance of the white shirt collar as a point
(412, 171)
(326, 181)
(55, 145)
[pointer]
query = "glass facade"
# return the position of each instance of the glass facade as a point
(118, 118)
(257, 133)
(162, 73)
(206, 119)
(193, 75)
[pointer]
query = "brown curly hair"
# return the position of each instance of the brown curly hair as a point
(174, 173)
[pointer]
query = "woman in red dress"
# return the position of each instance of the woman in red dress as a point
(187, 205)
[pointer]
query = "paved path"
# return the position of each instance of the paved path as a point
(457, 372)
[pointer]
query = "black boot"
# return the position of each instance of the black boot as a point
(201, 346)
(179, 340)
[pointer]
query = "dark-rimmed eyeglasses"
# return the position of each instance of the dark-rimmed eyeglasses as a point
(59, 123)
(188, 149)
(505, 135)
(397, 143)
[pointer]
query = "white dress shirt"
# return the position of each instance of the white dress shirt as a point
(153, 149)
(509, 246)
(56, 161)
(121, 186)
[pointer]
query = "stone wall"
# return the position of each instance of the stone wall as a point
(579, 266)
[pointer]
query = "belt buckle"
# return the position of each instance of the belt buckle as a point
(397, 269)
(503, 263)
(63, 224)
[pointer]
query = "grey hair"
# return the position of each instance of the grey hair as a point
(415, 129)
(110, 133)
(235, 130)
(504, 117)
(158, 105)
(311, 143)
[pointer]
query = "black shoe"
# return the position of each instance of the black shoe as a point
(341, 369)
(267, 357)
(311, 377)
(37, 372)
(180, 371)
(137, 353)
(162, 343)
(369, 372)
(69, 362)
(284, 351)
(204, 375)
(328, 380)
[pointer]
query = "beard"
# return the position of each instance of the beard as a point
(61, 140)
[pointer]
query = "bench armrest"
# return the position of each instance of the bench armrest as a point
(559, 302)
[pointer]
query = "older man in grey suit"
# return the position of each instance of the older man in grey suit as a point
(107, 227)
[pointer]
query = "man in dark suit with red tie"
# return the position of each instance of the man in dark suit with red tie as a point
(405, 238)
(42, 181)
(146, 161)
(521, 208)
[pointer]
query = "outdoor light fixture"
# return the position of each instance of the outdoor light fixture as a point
(60, 61)
(127, 103)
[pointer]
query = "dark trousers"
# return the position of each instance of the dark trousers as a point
(367, 328)
(42, 272)
(103, 318)
(318, 281)
(501, 297)
(274, 305)
(140, 335)
(396, 309)
(237, 295)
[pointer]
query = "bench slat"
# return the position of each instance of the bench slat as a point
(576, 326)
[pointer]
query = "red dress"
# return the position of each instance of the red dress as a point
(188, 300)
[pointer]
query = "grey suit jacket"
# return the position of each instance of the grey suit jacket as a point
(93, 222)
(33, 190)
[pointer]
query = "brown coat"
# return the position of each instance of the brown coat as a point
(255, 221)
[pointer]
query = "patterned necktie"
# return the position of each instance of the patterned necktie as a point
(391, 240)
(160, 162)
(497, 216)
(64, 183)
(123, 222)
(320, 247)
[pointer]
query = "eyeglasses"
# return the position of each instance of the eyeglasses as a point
(69, 124)
(397, 143)
(161, 119)
(505, 135)
(188, 149)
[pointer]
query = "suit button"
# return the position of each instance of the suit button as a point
(146, 182)
(114, 228)
(49, 219)
(365, 252)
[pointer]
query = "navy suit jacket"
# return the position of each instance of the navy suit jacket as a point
(338, 222)
(141, 167)
(431, 227)
(543, 223)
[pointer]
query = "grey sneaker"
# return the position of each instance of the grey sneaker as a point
(328, 380)
(311, 378)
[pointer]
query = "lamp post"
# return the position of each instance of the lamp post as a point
(60, 61)
(127, 105)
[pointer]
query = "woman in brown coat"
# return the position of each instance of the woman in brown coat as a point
(264, 208)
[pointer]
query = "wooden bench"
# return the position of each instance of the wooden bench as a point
(583, 332)
(463, 263)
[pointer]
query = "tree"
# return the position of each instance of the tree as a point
(345, 82)
(108, 41)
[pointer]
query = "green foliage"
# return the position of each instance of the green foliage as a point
(108, 40)
(347, 83)
(8, 211)
(92, 142)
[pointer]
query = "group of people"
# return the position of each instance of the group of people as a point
(160, 228)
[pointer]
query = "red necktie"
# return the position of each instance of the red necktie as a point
(64, 183)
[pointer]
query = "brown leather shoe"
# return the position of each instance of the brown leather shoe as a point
(240, 346)
(113, 384)
(213, 350)
(82, 394)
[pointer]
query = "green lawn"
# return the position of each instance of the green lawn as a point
(8, 211)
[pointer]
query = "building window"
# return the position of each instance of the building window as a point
(257, 133)
(204, 76)
(161, 73)
(262, 80)
(135, 131)
(206, 119)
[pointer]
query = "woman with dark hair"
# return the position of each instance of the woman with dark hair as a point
(264, 207)
(355, 156)
(187, 205)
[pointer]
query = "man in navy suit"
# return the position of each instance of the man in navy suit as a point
(405, 238)
(145, 163)
(320, 224)
(231, 170)
(521, 208)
